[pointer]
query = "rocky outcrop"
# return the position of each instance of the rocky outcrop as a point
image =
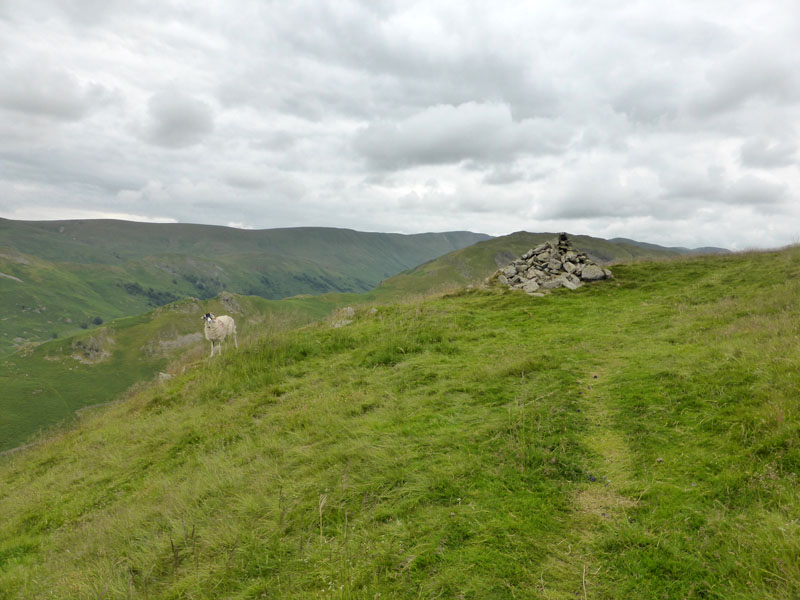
(343, 316)
(553, 264)
(93, 349)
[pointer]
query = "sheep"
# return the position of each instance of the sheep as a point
(218, 328)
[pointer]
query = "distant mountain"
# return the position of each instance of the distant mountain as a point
(678, 249)
(59, 276)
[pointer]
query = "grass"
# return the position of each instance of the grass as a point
(636, 438)
(471, 265)
(57, 276)
(45, 386)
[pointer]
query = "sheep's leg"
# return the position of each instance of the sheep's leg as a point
(212, 350)
(235, 341)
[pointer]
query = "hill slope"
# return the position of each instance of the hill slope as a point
(678, 249)
(635, 438)
(474, 263)
(44, 385)
(56, 276)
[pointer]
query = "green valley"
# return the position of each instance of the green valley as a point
(57, 277)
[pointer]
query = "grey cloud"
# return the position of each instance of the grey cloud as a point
(76, 167)
(647, 102)
(50, 92)
(604, 189)
(244, 180)
(503, 175)
(751, 74)
(716, 187)
(765, 153)
(450, 134)
(386, 61)
(752, 190)
(177, 120)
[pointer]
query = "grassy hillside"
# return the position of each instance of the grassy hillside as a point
(44, 385)
(108, 241)
(678, 249)
(474, 263)
(636, 438)
(58, 276)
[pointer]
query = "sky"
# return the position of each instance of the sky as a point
(667, 122)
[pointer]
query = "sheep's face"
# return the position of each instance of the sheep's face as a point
(208, 318)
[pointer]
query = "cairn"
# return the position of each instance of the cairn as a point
(550, 265)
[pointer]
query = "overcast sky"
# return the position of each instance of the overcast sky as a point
(668, 122)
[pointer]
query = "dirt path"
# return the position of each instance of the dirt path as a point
(599, 503)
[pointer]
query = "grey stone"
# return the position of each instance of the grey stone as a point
(592, 273)
(550, 265)
(572, 283)
(530, 287)
(552, 284)
(554, 264)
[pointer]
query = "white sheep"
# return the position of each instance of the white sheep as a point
(218, 328)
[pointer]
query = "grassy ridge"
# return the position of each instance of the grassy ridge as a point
(474, 263)
(635, 438)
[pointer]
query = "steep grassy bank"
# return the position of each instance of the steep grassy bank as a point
(636, 438)
(45, 385)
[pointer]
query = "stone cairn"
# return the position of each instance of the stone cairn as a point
(550, 265)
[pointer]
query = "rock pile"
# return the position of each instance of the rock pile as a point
(550, 265)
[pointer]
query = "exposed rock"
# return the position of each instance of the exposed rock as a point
(592, 273)
(551, 265)
(11, 277)
(230, 302)
(343, 316)
(162, 347)
(93, 349)
(530, 286)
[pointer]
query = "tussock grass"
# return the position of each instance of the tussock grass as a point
(637, 438)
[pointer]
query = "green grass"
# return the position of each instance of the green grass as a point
(62, 275)
(56, 276)
(637, 438)
(473, 264)
(45, 385)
